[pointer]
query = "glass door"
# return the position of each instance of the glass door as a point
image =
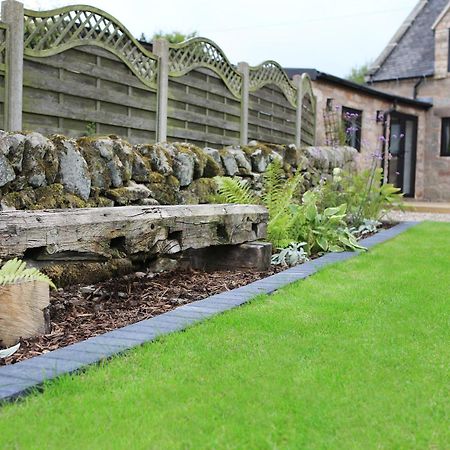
(402, 146)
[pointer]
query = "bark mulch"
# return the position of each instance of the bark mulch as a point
(81, 312)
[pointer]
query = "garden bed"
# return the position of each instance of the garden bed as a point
(80, 312)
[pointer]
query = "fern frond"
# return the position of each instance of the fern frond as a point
(235, 190)
(15, 271)
(279, 192)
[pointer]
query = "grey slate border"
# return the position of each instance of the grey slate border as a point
(21, 378)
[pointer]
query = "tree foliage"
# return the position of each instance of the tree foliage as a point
(174, 37)
(357, 74)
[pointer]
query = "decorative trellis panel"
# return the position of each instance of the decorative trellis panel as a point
(270, 72)
(203, 53)
(51, 32)
(85, 90)
(271, 116)
(202, 110)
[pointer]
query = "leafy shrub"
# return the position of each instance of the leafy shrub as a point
(366, 197)
(324, 231)
(289, 219)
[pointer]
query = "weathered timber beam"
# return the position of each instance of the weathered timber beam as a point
(105, 233)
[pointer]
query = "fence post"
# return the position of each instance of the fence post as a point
(244, 69)
(297, 79)
(12, 14)
(161, 49)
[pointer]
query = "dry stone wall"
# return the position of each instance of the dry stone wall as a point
(38, 172)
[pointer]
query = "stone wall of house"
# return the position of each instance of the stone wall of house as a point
(371, 130)
(38, 172)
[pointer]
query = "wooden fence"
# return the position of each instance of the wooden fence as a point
(78, 70)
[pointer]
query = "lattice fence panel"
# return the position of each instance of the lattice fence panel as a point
(201, 110)
(201, 52)
(270, 72)
(48, 33)
(271, 116)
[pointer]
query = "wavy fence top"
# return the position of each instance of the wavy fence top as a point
(50, 32)
(270, 72)
(202, 52)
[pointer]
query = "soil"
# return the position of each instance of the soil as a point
(81, 312)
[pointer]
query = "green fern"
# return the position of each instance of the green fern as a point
(235, 190)
(279, 192)
(15, 271)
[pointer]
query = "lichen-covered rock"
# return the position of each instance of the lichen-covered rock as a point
(129, 194)
(260, 161)
(214, 154)
(73, 169)
(6, 171)
(141, 168)
(183, 168)
(12, 146)
(160, 157)
(124, 152)
(229, 163)
(97, 153)
(39, 160)
(244, 165)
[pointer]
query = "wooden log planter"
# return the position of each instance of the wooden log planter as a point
(135, 231)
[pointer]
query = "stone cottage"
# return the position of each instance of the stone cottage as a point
(408, 86)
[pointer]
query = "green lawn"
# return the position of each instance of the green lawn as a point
(355, 357)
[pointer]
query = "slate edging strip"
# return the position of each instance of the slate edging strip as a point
(19, 379)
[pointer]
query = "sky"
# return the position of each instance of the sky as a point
(329, 35)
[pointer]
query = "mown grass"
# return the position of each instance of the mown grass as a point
(355, 357)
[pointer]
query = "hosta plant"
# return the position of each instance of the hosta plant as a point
(15, 271)
(324, 231)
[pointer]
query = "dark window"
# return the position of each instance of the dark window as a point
(352, 120)
(445, 137)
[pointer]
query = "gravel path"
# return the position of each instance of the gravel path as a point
(399, 216)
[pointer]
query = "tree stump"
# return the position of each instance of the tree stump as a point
(22, 311)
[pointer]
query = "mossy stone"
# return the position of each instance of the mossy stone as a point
(87, 273)
(203, 189)
(25, 199)
(54, 197)
(212, 169)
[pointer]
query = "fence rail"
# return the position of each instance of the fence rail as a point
(80, 69)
